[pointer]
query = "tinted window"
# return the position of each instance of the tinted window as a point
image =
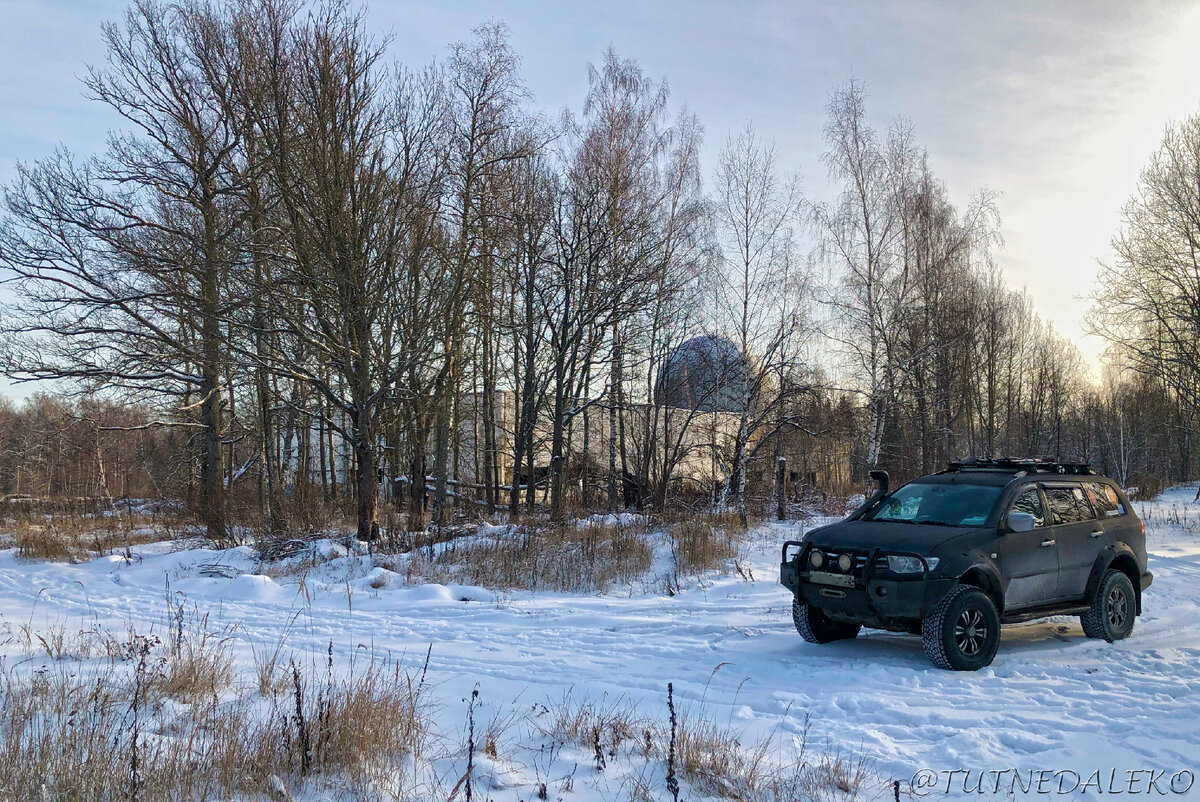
(954, 504)
(1085, 507)
(1104, 498)
(1030, 501)
(1068, 505)
(1114, 499)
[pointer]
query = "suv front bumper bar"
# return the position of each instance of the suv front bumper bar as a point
(863, 595)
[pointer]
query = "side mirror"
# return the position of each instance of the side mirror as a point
(1021, 522)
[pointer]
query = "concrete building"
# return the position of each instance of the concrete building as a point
(687, 433)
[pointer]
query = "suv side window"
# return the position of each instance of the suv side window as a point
(1115, 499)
(1030, 501)
(1085, 507)
(1068, 505)
(1105, 500)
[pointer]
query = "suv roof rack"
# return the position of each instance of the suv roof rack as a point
(1023, 465)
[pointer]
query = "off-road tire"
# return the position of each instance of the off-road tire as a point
(1113, 607)
(815, 627)
(962, 632)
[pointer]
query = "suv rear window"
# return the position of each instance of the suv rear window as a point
(1105, 500)
(943, 503)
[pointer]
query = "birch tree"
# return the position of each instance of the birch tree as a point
(861, 230)
(757, 301)
(624, 138)
(484, 99)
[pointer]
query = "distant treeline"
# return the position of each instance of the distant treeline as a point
(60, 448)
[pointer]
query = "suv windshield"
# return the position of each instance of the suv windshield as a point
(944, 504)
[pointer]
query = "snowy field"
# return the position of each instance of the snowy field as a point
(1053, 700)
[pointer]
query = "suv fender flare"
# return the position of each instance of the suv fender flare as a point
(1122, 558)
(986, 578)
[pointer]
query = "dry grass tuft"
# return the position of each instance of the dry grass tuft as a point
(709, 756)
(714, 762)
(45, 542)
(566, 559)
(269, 662)
(95, 735)
(73, 536)
(58, 641)
(364, 726)
(196, 673)
(572, 721)
(59, 736)
(705, 544)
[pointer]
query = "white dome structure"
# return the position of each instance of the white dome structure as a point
(707, 374)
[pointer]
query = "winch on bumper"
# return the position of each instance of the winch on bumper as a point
(866, 591)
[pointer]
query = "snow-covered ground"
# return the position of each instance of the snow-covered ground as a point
(1052, 700)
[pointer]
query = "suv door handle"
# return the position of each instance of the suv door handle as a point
(1050, 542)
(1096, 534)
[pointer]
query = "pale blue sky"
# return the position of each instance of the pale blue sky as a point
(1057, 105)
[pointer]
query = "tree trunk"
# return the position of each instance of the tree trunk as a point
(416, 485)
(213, 503)
(367, 486)
(441, 456)
(212, 495)
(780, 485)
(614, 379)
(556, 441)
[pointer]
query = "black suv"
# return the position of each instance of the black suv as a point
(953, 555)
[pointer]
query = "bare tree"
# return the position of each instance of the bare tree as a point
(529, 197)
(484, 111)
(675, 308)
(756, 296)
(122, 261)
(572, 302)
(623, 139)
(355, 164)
(1146, 302)
(861, 232)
